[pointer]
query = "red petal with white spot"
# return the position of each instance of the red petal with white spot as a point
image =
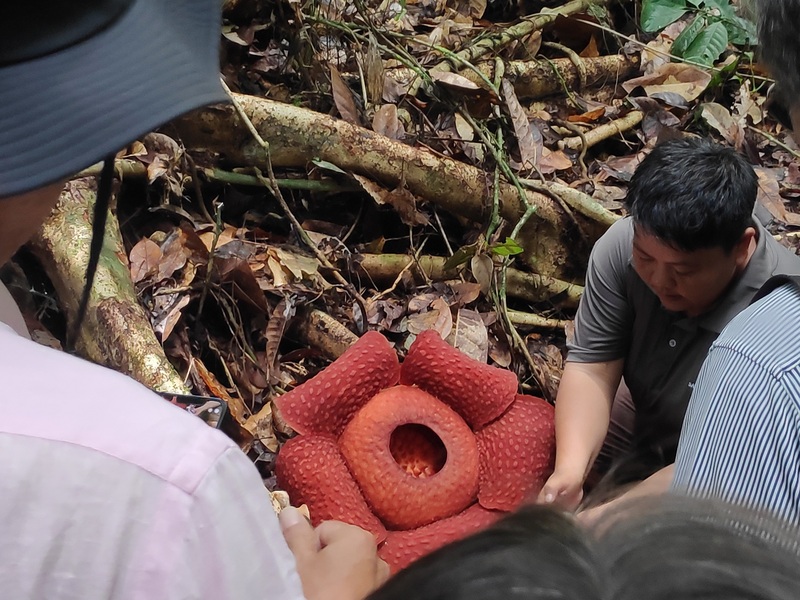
(325, 403)
(404, 547)
(311, 469)
(476, 391)
(517, 454)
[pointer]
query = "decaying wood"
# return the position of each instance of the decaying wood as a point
(296, 136)
(583, 203)
(535, 321)
(525, 27)
(116, 331)
(323, 332)
(604, 131)
(519, 284)
(539, 78)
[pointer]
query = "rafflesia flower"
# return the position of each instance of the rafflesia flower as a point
(419, 454)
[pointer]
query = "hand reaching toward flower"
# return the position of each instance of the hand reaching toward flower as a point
(334, 560)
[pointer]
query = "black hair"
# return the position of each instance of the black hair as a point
(537, 553)
(670, 547)
(652, 549)
(692, 193)
(779, 49)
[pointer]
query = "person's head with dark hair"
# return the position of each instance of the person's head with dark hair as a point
(692, 193)
(674, 547)
(537, 553)
(649, 550)
(779, 49)
(692, 204)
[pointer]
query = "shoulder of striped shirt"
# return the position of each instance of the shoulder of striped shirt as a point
(768, 332)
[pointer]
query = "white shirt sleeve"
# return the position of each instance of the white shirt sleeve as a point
(236, 549)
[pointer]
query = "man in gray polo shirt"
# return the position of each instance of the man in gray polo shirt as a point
(660, 286)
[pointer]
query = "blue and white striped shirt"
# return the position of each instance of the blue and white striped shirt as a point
(741, 436)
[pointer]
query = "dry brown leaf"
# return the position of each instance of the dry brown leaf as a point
(465, 131)
(590, 51)
(236, 407)
(482, 270)
(166, 322)
(454, 81)
(770, 196)
(477, 8)
(519, 119)
(300, 266)
(343, 98)
(554, 161)
(144, 259)
(227, 235)
(280, 277)
(438, 318)
(373, 65)
(685, 81)
(402, 200)
(470, 335)
(386, 122)
(749, 105)
(499, 351)
(465, 292)
(276, 326)
(657, 52)
(421, 302)
(718, 117)
(590, 116)
(260, 426)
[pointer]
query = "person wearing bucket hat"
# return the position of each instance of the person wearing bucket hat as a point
(149, 502)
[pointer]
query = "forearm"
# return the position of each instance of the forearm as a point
(583, 410)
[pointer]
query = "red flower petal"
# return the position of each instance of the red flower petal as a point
(476, 391)
(311, 469)
(396, 486)
(517, 453)
(325, 403)
(404, 547)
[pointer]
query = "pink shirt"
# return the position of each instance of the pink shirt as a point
(109, 492)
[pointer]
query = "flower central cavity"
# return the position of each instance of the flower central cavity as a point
(417, 450)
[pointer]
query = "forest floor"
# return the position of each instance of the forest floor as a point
(407, 165)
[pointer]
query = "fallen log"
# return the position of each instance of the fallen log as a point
(539, 78)
(525, 27)
(116, 331)
(296, 136)
(519, 284)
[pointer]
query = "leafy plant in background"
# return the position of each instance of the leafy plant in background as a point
(714, 24)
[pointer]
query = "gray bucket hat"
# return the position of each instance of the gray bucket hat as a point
(80, 79)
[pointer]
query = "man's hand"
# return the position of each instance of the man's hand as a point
(562, 489)
(335, 561)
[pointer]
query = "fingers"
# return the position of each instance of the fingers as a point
(549, 492)
(300, 536)
(381, 572)
(331, 532)
(563, 491)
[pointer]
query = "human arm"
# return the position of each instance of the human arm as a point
(236, 548)
(335, 560)
(658, 483)
(583, 410)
